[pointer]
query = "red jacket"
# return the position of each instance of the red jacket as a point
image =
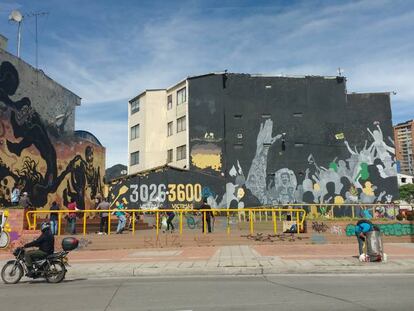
(72, 207)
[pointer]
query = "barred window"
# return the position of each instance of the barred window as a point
(135, 106)
(181, 96)
(169, 155)
(181, 152)
(169, 128)
(181, 124)
(135, 132)
(135, 158)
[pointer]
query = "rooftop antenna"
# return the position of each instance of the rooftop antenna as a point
(36, 14)
(340, 71)
(17, 17)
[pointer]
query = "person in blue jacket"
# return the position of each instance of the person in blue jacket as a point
(361, 229)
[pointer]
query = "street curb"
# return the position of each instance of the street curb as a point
(122, 271)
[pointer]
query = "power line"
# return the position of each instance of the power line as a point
(36, 15)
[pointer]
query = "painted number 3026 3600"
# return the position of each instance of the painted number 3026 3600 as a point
(160, 192)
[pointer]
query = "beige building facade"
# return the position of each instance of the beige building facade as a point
(158, 129)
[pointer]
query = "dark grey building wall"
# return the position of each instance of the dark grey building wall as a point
(285, 139)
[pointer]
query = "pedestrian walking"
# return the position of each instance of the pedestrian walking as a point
(170, 217)
(119, 212)
(72, 216)
(27, 206)
(54, 217)
(25, 201)
(208, 215)
(15, 196)
(103, 225)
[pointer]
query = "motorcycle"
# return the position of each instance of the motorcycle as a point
(52, 268)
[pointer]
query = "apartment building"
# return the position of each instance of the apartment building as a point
(404, 150)
(158, 122)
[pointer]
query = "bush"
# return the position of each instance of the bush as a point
(410, 217)
(407, 193)
(400, 217)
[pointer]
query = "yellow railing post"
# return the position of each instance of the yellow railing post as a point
(280, 215)
(34, 221)
(59, 223)
(353, 211)
(109, 222)
(204, 222)
(274, 222)
(181, 222)
(228, 223)
(84, 223)
(133, 223)
(157, 222)
(297, 221)
(251, 221)
(29, 222)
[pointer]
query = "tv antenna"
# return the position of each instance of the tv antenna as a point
(36, 15)
(17, 17)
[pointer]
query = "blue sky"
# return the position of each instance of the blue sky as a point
(109, 51)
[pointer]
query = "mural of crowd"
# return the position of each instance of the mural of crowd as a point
(360, 178)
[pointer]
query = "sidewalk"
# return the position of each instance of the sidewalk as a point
(234, 260)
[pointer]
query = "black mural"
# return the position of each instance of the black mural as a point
(28, 126)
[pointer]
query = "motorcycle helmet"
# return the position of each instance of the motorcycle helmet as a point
(44, 226)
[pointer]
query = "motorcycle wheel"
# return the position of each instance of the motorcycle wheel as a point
(11, 273)
(4, 239)
(56, 272)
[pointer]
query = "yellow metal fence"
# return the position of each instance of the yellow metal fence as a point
(297, 215)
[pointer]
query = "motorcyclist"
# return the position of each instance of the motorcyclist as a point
(46, 244)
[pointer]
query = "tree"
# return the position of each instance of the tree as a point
(407, 193)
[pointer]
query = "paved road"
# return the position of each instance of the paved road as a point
(281, 292)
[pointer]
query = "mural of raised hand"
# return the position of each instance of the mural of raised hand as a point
(265, 135)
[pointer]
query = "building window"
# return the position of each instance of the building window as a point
(169, 128)
(238, 116)
(181, 124)
(169, 155)
(135, 106)
(181, 96)
(181, 153)
(135, 158)
(135, 132)
(169, 102)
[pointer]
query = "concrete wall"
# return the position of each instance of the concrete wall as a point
(48, 162)
(43, 91)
